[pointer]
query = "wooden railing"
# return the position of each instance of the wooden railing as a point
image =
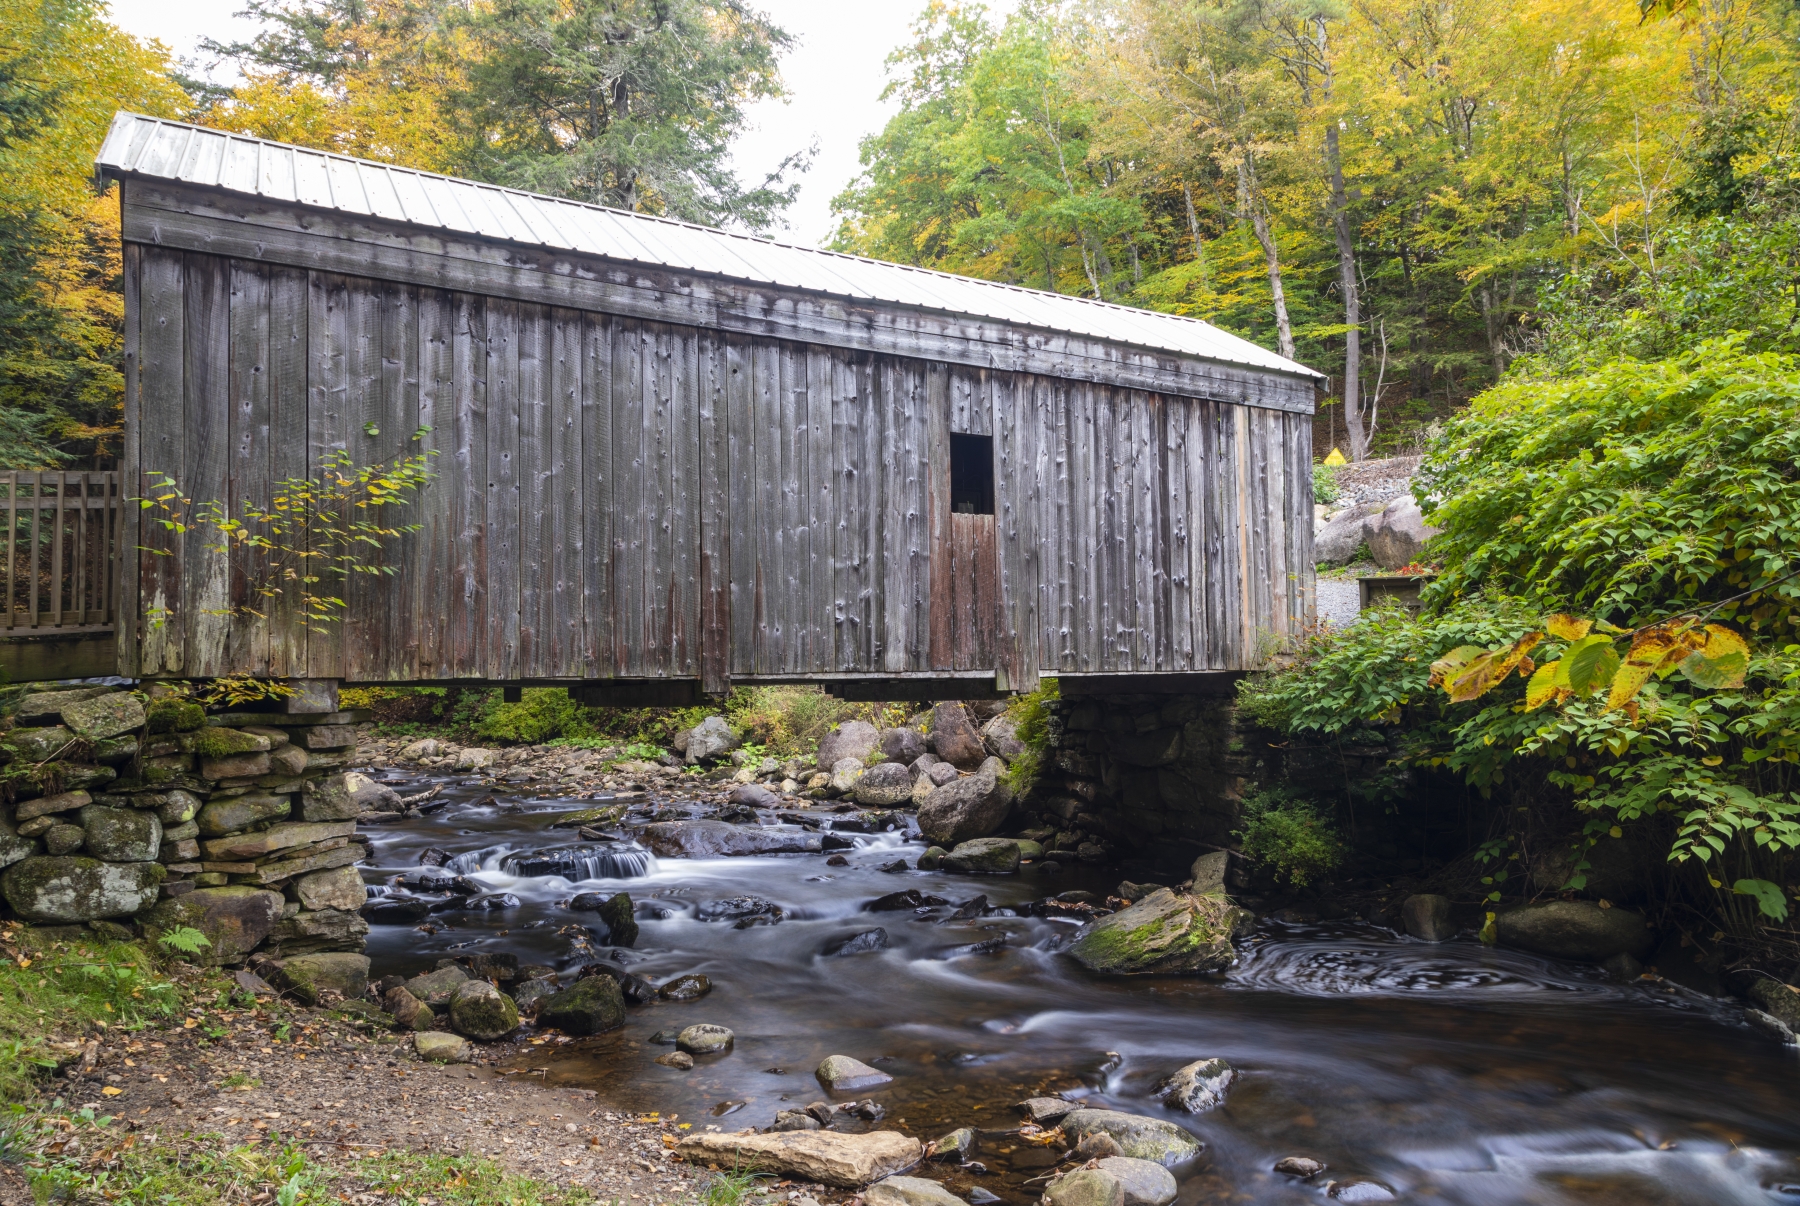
(61, 555)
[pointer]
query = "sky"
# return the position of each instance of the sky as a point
(835, 76)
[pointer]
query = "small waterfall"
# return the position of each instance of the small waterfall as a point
(581, 862)
(376, 891)
(478, 860)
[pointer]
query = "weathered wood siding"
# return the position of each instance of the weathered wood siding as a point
(618, 497)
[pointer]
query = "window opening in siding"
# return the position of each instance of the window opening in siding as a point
(972, 474)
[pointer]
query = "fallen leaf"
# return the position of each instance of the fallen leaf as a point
(111, 1091)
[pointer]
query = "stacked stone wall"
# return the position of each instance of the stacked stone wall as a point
(134, 812)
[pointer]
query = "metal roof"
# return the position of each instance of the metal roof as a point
(168, 150)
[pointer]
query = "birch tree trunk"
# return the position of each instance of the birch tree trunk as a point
(1259, 222)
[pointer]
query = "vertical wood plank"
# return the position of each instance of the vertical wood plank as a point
(561, 524)
(206, 582)
(162, 446)
(629, 501)
(825, 499)
(127, 609)
(937, 510)
(251, 468)
(531, 384)
(717, 530)
(768, 582)
(465, 484)
(328, 419)
(502, 572)
(431, 575)
(679, 401)
(599, 603)
(290, 319)
(745, 496)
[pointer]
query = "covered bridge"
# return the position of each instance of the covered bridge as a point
(670, 458)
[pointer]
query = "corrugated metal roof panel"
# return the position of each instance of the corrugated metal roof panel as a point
(149, 146)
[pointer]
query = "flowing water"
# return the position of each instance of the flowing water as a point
(1451, 1073)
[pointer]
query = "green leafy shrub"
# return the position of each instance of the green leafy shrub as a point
(1325, 484)
(1291, 836)
(185, 939)
(1031, 720)
(541, 714)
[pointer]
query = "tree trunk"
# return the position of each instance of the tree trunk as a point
(1187, 195)
(1358, 436)
(1259, 222)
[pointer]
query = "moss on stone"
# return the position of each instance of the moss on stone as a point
(175, 716)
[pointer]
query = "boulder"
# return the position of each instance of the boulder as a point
(1047, 1111)
(394, 910)
(984, 856)
(104, 715)
(1299, 1166)
(711, 738)
(840, 1073)
(63, 839)
(533, 993)
(705, 1039)
(1000, 736)
(1199, 1086)
(954, 737)
(472, 758)
(1427, 918)
(236, 766)
(592, 1005)
(1360, 1189)
(1164, 934)
(828, 1157)
(1208, 873)
(43, 806)
(434, 988)
(1778, 1000)
(620, 919)
(857, 944)
(235, 919)
(344, 797)
(288, 761)
(121, 835)
(853, 739)
(958, 1147)
(238, 813)
(967, 808)
(717, 839)
(38, 706)
(1336, 543)
(178, 807)
(38, 745)
(443, 1048)
(1397, 536)
(1140, 1138)
(409, 1012)
(909, 1191)
(1575, 929)
(681, 1061)
(1085, 1187)
(932, 859)
(1145, 1182)
(312, 977)
(482, 1012)
(338, 888)
(785, 1120)
(905, 746)
(690, 987)
(883, 786)
(844, 774)
(311, 931)
(753, 795)
(75, 888)
(13, 847)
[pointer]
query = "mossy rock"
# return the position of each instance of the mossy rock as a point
(482, 1012)
(234, 919)
(222, 743)
(175, 716)
(105, 715)
(589, 1006)
(621, 921)
(221, 817)
(1164, 934)
(121, 835)
(74, 888)
(312, 977)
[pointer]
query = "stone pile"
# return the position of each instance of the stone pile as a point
(144, 815)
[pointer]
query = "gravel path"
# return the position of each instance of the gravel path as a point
(275, 1073)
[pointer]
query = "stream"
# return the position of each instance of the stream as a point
(1451, 1073)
